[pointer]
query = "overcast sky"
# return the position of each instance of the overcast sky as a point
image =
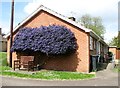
(106, 9)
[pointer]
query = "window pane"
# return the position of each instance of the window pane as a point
(91, 43)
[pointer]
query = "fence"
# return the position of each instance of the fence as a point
(118, 54)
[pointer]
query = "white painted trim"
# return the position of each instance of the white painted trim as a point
(112, 46)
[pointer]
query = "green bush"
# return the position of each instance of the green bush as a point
(110, 54)
(116, 69)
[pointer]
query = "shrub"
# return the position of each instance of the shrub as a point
(54, 39)
(110, 54)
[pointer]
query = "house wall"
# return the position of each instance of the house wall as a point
(114, 51)
(14, 55)
(99, 48)
(78, 61)
(3, 44)
(93, 52)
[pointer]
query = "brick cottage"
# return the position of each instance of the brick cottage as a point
(115, 51)
(89, 43)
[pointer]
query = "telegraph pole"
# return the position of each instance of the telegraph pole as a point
(11, 32)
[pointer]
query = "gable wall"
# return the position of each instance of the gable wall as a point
(77, 62)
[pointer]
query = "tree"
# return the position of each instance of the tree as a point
(53, 39)
(86, 20)
(94, 23)
(115, 41)
(118, 39)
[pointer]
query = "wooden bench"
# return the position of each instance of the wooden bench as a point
(25, 62)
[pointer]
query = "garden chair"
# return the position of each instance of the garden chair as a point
(25, 62)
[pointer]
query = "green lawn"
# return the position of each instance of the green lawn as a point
(49, 75)
(46, 74)
(3, 58)
(116, 69)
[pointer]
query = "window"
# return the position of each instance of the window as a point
(91, 43)
(101, 48)
(97, 47)
(94, 44)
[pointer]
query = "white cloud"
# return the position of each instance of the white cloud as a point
(89, 6)
(107, 9)
(5, 29)
(109, 35)
(111, 31)
(0, 24)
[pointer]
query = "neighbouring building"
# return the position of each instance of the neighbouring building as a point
(89, 43)
(3, 42)
(115, 51)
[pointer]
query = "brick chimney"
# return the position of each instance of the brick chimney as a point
(72, 18)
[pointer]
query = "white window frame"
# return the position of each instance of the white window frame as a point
(91, 43)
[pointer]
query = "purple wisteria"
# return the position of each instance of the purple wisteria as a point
(53, 39)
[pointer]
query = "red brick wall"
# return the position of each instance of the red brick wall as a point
(76, 62)
(115, 51)
(118, 54)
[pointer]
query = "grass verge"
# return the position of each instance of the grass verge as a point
(116, 69)
(3, 58)
(48, 75)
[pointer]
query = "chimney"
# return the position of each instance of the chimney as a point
(72, 18)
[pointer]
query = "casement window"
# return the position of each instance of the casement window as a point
(97, 47)
(91, 43)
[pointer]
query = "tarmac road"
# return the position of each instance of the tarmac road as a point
(104, 78)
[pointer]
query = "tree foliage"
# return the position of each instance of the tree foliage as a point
(53, 39)
(94, 23)
(115, 41)
(119, 39)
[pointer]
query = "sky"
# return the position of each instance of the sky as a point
(106, 9)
